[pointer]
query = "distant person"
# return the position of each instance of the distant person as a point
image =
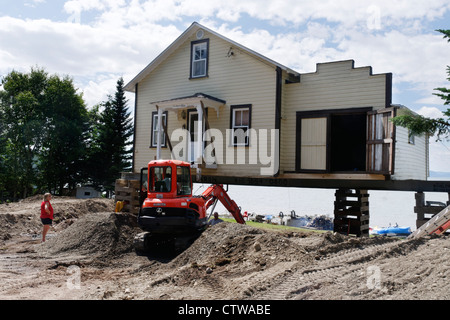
(46, 214)
(215, 220)
(168, 182)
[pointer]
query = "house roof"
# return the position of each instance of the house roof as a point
(194, 27)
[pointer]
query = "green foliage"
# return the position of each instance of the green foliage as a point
(63, 149)
(111, 133)
(22, 126)
(418, 125)
(49, 141)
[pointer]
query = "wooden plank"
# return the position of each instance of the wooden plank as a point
(429, 210)
(282, 181)
(121, 183)
(354, 210)
(357, 215)
(333, 176)
(126, 191)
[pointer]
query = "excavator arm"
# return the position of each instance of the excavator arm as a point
(217, 192)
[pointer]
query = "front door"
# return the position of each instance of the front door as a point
(193, 134)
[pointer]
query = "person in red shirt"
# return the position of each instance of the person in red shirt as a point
(46, 215)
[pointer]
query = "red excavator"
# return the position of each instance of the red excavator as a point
(170, 215)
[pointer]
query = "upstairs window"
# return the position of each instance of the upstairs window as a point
(199, 58)
(240, 124)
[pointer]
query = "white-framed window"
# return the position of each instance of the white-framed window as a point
(199, 58)
(154, 137)
(240, 124)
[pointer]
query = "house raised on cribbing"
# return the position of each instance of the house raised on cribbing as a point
(233, 112)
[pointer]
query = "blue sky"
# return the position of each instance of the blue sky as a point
(98, 41)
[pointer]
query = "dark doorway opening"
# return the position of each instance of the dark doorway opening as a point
(348, 142)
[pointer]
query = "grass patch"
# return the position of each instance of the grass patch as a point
(274, 227)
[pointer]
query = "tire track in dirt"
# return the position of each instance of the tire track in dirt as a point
(256, 281)
(334, 269)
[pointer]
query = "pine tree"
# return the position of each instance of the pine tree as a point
(123, 129)
(112, 153)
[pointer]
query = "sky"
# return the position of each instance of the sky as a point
(96, 42)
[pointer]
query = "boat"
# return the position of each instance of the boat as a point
(391, 231)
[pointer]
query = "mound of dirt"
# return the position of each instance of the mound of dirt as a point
(23, 218)
(232, 244)
(227, 261)
(102, 235)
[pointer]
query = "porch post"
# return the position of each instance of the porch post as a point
(199, 151)
(158, 138)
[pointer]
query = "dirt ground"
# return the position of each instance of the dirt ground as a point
(89, 256)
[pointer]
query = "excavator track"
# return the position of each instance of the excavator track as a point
(146, 242)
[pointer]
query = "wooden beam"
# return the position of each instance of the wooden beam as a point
(394, 185)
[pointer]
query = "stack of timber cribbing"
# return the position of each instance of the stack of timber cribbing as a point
(127, 191)
(351, 212)
(427, 209)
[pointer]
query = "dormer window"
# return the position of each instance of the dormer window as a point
(199, 58)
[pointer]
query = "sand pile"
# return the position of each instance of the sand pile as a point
(22, 218)
(97, 235)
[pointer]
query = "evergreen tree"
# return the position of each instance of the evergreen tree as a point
(123, 130)
(111, 152)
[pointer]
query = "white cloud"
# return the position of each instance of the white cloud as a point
(430, 112)
(439, 155)
(77, 6)
(98, 41)
(124, 36)
(33, 3)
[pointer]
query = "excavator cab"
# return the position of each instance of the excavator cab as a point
(168, 209)
(167, 179)
(167, 204)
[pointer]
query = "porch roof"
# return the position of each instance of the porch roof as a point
(193, 101)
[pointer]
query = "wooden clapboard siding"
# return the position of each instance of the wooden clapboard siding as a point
(336, 85)
(239, 80)
(411, 160)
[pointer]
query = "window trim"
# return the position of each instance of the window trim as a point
(411, 138)
(193, 44)
(164, 142)
(233, 109)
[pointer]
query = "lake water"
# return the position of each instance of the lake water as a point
(385, 207)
